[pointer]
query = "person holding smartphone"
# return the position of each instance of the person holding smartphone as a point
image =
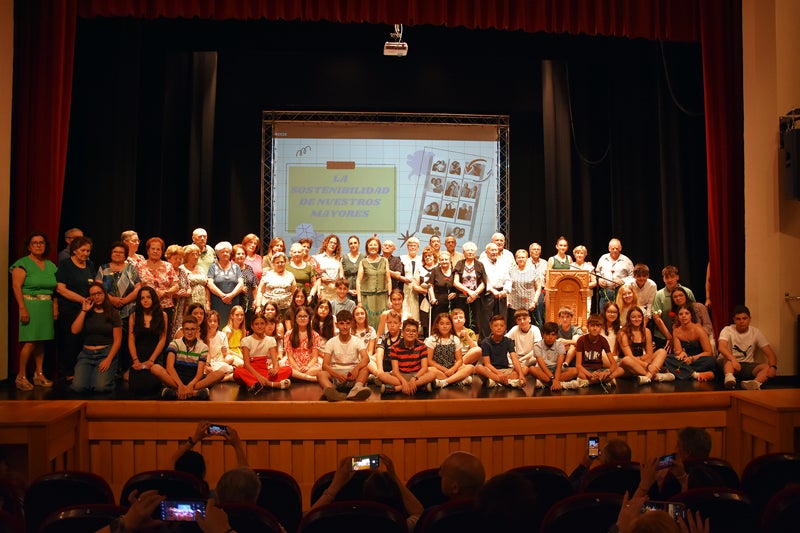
(187, 460)
(382, 486)
(615, 451)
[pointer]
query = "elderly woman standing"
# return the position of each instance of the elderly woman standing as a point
(225, 280)
(304, 274)
(131, 240)
(121, 282)
(198, 279)
(182, 297)
(33, 280)
(75, 275)
(373, 282)
(277, 285)
(247, 297)
(159, 274)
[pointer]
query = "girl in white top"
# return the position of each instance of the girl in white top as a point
(218, 356)
(363, 330)
(444, 354)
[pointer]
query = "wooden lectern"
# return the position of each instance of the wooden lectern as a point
(567, 288)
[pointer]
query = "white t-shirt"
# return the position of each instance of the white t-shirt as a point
(743, 345)
(344, 354)
(524, 342)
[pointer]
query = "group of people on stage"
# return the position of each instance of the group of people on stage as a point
(425, 318)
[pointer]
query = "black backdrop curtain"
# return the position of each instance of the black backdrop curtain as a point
(43, 78)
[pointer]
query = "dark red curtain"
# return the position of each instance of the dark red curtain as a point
(44, 62)
(721, 44)
(671, 20)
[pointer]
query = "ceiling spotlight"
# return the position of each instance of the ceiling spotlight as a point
(397, 47)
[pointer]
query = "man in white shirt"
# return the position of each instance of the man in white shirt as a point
(737, 346)
(503, 256)
(644, 288)
(498, 285)
(611, 270)
(540, 266)
(344, 364)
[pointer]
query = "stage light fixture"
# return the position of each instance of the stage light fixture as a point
(396, 48)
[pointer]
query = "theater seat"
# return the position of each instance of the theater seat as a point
(250, 518)
(352, 490)
(58, 490)
(89, 517)
(170, 483)
(353, 517)
(587, 512)
(280, 495)
(426, 485)
(782, 510)
(615, 477)
(551, 484)
(457, 515)
(764, 476)
(728, 510)
(720, 467)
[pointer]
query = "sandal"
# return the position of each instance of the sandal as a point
(40, 381)
(23, 383)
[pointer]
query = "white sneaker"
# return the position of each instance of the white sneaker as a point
(644, 380)
(751, 384)
(490, 383)
(569, 385)
(466, 382)
(441, 383)
(538, 384)
(665, 376)
(582, 382)
(358, 393)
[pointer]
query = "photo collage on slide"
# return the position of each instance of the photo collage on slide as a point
(453, 186)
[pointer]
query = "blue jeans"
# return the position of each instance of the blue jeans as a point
(87, 376)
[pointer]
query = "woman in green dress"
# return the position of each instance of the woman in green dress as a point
(33, 280)
(373, 282)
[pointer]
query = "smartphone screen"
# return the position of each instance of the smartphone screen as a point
(181, 510)
(666, 461)
(366, 462)
(217, 429)
(675, 510)
(594, 446)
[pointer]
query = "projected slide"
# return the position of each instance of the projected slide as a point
(393, 180)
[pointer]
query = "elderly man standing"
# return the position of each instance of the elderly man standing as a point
(505, 257)
(612, 269)
(207, 255)
(396, 270)
(498, 285)
(69, 235)
(455, 255)
(411, 267)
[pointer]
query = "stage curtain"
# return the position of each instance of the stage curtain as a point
(721, 43)
(671, 20)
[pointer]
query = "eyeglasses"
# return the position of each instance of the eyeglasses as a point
(37, 243)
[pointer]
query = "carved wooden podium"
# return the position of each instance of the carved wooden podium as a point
(567, 288)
